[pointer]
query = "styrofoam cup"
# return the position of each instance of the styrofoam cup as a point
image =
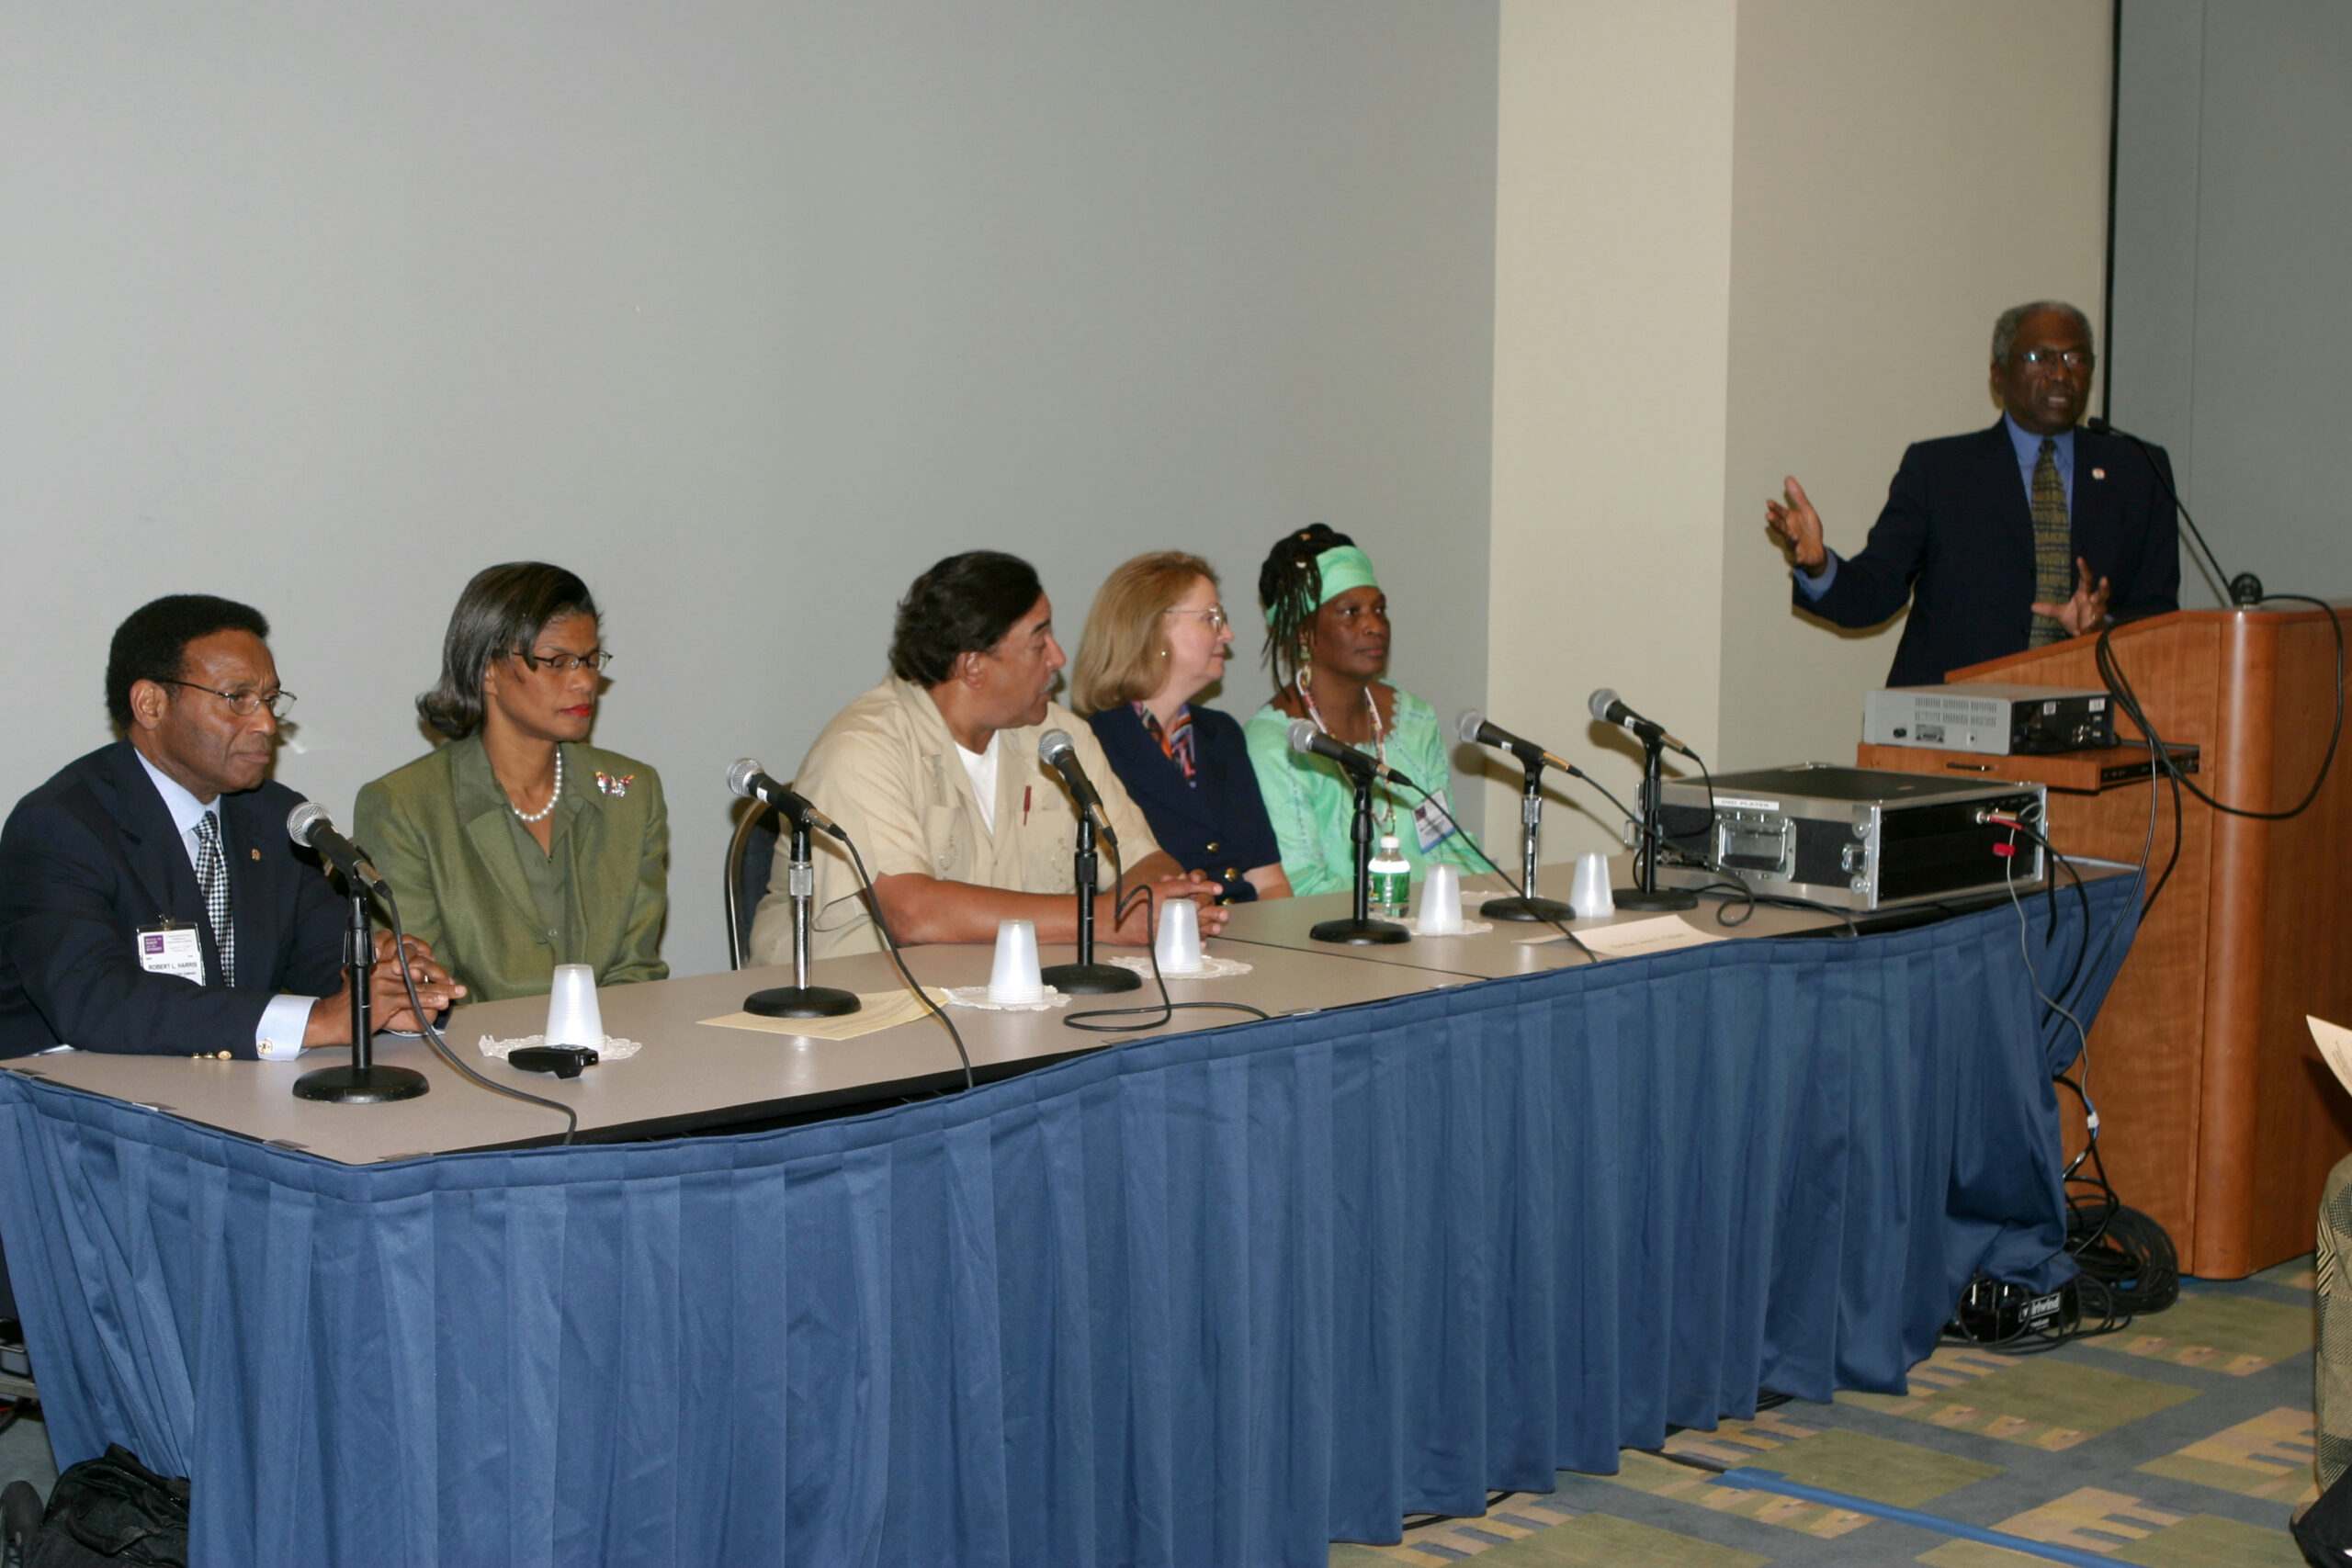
(1013, 976)
(1439, 910)
(1178, 941)
(1589, 897)
(573, 1017)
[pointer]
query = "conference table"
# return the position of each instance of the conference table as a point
(1456, 1214)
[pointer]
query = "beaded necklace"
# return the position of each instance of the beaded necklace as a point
(1386, 813)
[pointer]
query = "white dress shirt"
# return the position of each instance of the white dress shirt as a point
(278, 1036)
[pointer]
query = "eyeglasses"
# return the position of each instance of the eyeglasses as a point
(565, 663)
(244, 704)
(1213, 616)
(2072, 358)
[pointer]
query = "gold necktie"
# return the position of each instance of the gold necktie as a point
(2053, 542)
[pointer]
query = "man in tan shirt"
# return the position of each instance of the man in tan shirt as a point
(934, 775)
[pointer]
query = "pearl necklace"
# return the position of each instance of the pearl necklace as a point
(541, 814)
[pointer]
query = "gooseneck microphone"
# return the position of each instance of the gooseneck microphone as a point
(2245, 589)
(1609, 709)
(1526, 903)
(750, 779)
(310, 826)
(1359, 928)
(1058, 751)
(1647, 892)
(800, 999)
(364, 1081)
(1474, 729)
(1307, 740)
(1084, 976)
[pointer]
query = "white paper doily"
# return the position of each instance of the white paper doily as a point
(1212, 967)
(1469, 928)
(978, 997)
(614, 1049)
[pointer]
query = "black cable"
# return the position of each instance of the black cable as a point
(433, 1034)
(2082, 899)
(1509, 881)
(1732, 882)
(891, 945)
(2128, 700)
(1640, 826)
(1165, 1009)
(2024, 949)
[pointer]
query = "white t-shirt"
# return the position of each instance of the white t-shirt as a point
(981, 767)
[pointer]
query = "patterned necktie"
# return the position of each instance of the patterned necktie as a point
(212, 880)
(2053, 542)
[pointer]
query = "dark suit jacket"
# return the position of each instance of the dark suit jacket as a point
(1216, 825)
(1956, 540)
(90, 856)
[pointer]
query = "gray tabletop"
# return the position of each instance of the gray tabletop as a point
(1512, 947)
(692, 1074)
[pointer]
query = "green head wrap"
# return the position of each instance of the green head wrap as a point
(1340, 568)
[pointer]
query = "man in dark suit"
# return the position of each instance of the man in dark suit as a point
(150, 899)
(2008, 538)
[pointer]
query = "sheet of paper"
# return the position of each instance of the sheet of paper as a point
(2335, 1042)
(877, 1009)
(1660, 933)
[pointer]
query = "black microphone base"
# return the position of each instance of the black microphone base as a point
(1359, 933)
(1526, 909)
(801, 1001)
(1089, 979)
(1664, 898)
(371, 1084)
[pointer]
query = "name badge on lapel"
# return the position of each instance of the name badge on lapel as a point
(168, 947)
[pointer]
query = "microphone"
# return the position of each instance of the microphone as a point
(750, 781)
(1608, 709)
(310, 826)
(1056, 752)
(2245, 589)
(1473, 729)
(1305, 739)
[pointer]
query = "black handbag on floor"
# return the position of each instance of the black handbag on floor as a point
(2324, 1533)
(112, 1512)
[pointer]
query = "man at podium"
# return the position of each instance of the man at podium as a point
(2008, 538)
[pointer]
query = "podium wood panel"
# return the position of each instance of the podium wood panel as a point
(2218, 1117)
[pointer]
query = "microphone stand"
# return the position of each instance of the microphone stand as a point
(1086, 977)
(1361, 930)
(363, 1082)
(800, 1000)
(1646, 894)
(1530, 907)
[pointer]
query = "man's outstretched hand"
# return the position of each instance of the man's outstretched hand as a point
(1793, 521)
(2087, 610)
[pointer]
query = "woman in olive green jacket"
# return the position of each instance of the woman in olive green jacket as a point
(517, 846)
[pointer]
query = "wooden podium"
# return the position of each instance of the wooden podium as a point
(2217, 1115)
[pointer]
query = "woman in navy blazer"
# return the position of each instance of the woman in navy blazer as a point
(1155, 639)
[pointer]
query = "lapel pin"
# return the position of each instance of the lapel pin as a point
(2098, 473)
(614, 784)
(255, 853)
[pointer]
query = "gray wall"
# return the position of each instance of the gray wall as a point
(746, 311)
(2233, 226)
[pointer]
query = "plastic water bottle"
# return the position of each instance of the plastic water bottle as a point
(1392, 880)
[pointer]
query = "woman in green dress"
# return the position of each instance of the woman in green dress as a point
(1326, 644)
(517, 846)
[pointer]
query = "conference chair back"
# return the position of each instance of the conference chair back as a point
(751, 856)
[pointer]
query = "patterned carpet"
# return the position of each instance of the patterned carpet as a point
(2185, 1439)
